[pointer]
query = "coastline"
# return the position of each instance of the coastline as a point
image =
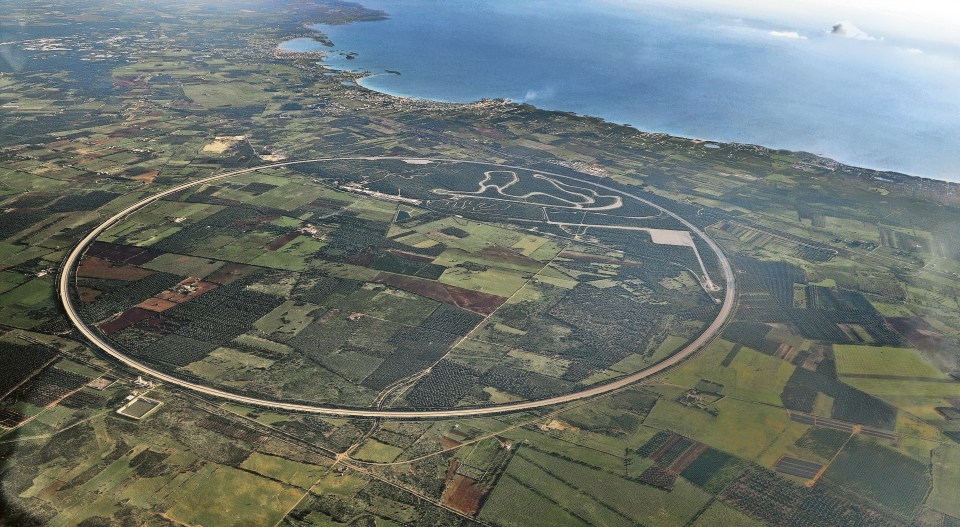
(361, 77)
(882, 174)
(609, 74)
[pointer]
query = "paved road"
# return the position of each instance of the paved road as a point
(63, 289)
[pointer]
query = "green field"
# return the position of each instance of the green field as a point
(184, 265)
(389, 274)
(287, 319)
(602, 498)
(946, 481)
(751, 375)
(515, 504)
(881, 474)
(294, 256)
(742, 428)
(902, 388)
(298, 474)
(500, 282)
(373, 450)
(224, 94)
(241, 498)
(229, 366)
(719, 513)
(342, 484)
(540, 364)
(875, 360)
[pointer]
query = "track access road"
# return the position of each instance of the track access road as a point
(67, 273)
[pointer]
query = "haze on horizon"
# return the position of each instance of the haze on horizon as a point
(836, 81)
(933, 22)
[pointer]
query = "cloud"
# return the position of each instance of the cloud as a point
(743, 29)
(848, 30)
(911, 51)
(787, 34)
(12, 58)
(533, 95)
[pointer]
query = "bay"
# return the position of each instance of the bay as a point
(872, 103)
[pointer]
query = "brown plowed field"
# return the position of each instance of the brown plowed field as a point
(94, 267)
(482, 303)
(230, 273)
(463, 494)
(156, 305)
(125, 320)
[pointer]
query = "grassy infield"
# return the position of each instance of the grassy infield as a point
(506, 278)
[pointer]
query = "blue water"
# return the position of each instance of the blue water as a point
(868, 103)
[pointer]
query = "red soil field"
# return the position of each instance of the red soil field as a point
(88, 294)
(360, 259)
(401, 235)
(94, 267)
(503, 254)
(125, 320)
(448, 443)
(665, 447)
(281, 241)
(919, 333)
(482, 303)
(127, 254)
(230, 273)
(412, 256)
(147, 177)
(186, 290)
(156, 305)
(688, 457)
(463, 494)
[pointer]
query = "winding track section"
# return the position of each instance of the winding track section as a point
(63, 290)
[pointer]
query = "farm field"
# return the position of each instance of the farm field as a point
(288, 276)
(898, 482)
(446, 258)
(874, 360)
(946, 477)
(720, 514)
(239, 494)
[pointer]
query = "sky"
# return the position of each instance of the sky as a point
(935, 23)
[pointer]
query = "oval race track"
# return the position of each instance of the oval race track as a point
(63, 290)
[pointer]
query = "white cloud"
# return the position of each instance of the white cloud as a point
(848, 30)
(930, 20)
(533, 95)
(911, 51)
(787, 34)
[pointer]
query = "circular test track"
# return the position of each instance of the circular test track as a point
(63, 290)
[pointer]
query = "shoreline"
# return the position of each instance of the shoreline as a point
(360, 76)
(863, 149)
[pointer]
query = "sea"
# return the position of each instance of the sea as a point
(861, 99)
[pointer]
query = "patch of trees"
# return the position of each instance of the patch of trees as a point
(91, 200)
(525, 384)
(17, 362)
(452, 319)
(447, 383)
(118, 295)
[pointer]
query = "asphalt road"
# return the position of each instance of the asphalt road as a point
(63, 289)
